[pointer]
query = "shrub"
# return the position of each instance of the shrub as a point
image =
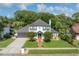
(1, 38)
(7, 35)
(31, 35)
(67, 37)
(47, 36)
(12, 33)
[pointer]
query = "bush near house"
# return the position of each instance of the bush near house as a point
(7, 35)
(12, 30)
(31, 35)
(12, 33)
(67, 37)
(47, 36)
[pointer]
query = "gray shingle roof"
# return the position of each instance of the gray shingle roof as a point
(39, 22)
(24, 29)
(36, 23)
(54, 31)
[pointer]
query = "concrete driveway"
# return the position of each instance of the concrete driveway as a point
(15, 46)
(18, 43)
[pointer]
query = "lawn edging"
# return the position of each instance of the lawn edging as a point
(49, 48)
(47, 51)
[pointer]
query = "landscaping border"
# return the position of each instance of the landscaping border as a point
(48, 48)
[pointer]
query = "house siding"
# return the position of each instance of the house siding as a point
(39, 28)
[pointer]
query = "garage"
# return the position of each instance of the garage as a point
(21, 35)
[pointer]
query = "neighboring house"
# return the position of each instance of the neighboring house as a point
(37, 26)
(75, 30)
(5, 31)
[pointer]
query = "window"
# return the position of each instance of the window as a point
(33, 28)
(39, 27)
(46, 28)
(30, 28)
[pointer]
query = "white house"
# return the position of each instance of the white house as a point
(37, 26)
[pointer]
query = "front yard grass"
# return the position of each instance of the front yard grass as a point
(57, 44)
(30, 44)
(5, 43)
(64, 51)
(52, 44)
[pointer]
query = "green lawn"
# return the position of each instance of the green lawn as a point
(52, 44)
(70, 51)
(5, 43)
(30, 44)
(57, 44)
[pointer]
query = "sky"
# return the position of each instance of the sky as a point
(8, 9)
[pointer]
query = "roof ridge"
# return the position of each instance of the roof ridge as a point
(40, 22)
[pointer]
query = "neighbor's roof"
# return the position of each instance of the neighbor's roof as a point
(39, 22)
(75, 28)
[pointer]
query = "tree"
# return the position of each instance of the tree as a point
(24, 17)
(45, 16)
(67, 37)
(63, 24)
(76, 16)
(4, 20)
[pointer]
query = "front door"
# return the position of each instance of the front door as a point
(39, 34)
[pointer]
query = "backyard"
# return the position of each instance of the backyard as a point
(5, 43)
(51, 44)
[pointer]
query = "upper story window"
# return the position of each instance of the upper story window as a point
(33, 28)
(30, 28)
(46, 28)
